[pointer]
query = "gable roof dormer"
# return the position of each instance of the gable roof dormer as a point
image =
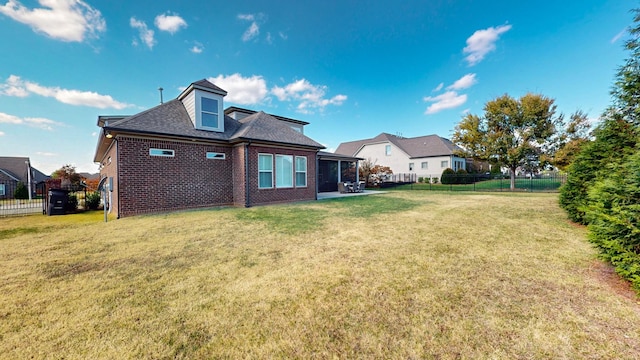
(204, 104)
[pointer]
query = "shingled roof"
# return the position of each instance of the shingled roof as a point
(16, 168)
(172, 120)
(416, 147)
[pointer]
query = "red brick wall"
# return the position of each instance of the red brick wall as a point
(188, 180)
(275, 195)
(239, 184)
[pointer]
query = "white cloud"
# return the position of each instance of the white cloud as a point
(619, 35)
(254, 29)
(464, 82)
(40, 123)
(283, 36)
(47, 154)
(438, 88)
(1, 133)
(144, 33)
(248, 17)
(170, 23)
(310, 96)
(197, 49)
(482, 42)
(66, 20)
(242, 90)
(251, 32)
(15, 86)
(448, 100)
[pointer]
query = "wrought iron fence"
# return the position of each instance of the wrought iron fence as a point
(480, 182)
(12, 205)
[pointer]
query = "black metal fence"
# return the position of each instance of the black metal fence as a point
(10, 205)
(479, 182)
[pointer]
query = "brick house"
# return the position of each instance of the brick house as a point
(189, 153)
(14, 170)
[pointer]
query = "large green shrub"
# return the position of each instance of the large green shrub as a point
(613, 215)
(21, 191)
(448, 176)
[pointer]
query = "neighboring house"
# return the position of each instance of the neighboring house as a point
(18, 169)
(425, 156)
(189, 153)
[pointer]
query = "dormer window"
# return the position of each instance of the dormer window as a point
(209, 111)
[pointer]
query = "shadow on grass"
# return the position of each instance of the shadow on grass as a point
(290, 220)
(369, 206)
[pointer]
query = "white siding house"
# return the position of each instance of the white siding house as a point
(425, 156)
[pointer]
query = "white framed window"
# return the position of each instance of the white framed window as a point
(301, 171)
(162, 152)
(424, 165)
(265, 171)
(216, 156)
(284, 171)
(410, 166)
(2, 190)
(209, 114)
(444, 164)
(387, 150)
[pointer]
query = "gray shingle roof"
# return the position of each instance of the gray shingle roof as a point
(416, 147)
(172, 120)
(16, 167)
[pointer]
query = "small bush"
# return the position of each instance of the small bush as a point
(93, 200)
(21, 192)
(72, 203)
(448, 176)
(434, 180)
(420, 179)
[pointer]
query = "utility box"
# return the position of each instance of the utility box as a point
(57, 202)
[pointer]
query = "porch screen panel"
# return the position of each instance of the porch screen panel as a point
(284, 171)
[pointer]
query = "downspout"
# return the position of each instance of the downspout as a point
(317, 173)
(247, 195)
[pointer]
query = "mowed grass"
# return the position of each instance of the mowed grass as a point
(397, 275)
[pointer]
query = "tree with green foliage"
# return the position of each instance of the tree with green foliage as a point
(570, 140)
(68, 176)
(511, 132)
(21, 191)
(603, 186)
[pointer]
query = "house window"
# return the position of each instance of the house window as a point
(301, 171)
(410, 166)
(209, 112)
(216, 156)
(444, 164)
(265, 171)
(161, 152)
(387, 150)
(284, 171)
(424, 165)
(2, 193)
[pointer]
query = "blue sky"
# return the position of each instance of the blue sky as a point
(352, 69)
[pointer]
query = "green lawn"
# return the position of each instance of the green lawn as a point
(396, 275)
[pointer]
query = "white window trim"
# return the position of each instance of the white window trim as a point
(198, 104)
(424, 165)
(292, 172)
(411, 166)
(162, 152)
(264, 171)
(216, 156)
(446, 164)
(387, 150)
(297, 171)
